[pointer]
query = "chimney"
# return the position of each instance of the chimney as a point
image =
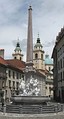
(2, 53)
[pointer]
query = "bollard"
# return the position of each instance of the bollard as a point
(4, 108)
(61, 107)
(56, 109)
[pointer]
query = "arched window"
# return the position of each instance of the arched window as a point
(14, 57)
(49, 68)
(20, 58)
(36, 56)
(41, 56)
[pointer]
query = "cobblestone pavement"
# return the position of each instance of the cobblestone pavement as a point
(59, 115)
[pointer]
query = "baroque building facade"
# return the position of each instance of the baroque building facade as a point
(58, 58)
(11, 73)
(15, 74)
(3, 77)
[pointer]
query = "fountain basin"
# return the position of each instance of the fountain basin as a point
(30, 99)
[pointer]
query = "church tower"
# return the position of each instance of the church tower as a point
(38, 55)
(17, 52)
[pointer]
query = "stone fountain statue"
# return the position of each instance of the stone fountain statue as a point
(29, 88)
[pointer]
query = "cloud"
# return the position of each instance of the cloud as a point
(10, 11)
(48, 19)
(8, 35)
(56, 6)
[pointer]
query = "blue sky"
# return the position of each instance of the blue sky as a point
(48, 19)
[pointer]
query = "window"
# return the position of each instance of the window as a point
(50, 90)
(63, 75)
(17, 85)
(63, 48)
(61, 63)
(36, 56)
(14, 57)
(17, 76)
(58, 77)
(6, 92)
(49, 68)
(20, 76)
(9, 73)
(13, 74)
(3, 84)
(20, 58)
(41, 56)
(58, 65)
(13, 84)
(9, 84)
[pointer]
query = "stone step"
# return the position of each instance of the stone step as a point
(31, 109)
(12, 109)
(36, 109)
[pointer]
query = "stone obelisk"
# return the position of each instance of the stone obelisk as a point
(29, 58)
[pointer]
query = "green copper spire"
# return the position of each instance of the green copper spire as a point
(18, 46)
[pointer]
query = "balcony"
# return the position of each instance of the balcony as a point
(3, 75)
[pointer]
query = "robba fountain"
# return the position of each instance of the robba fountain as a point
(29, 98)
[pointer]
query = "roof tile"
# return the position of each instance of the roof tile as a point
(16, 63)
(2, 61)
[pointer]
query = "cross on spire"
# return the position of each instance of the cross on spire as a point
(38, 39)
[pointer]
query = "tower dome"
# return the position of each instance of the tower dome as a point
(48, 60)
(18, 46)
(17, 52)
(38, 43)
